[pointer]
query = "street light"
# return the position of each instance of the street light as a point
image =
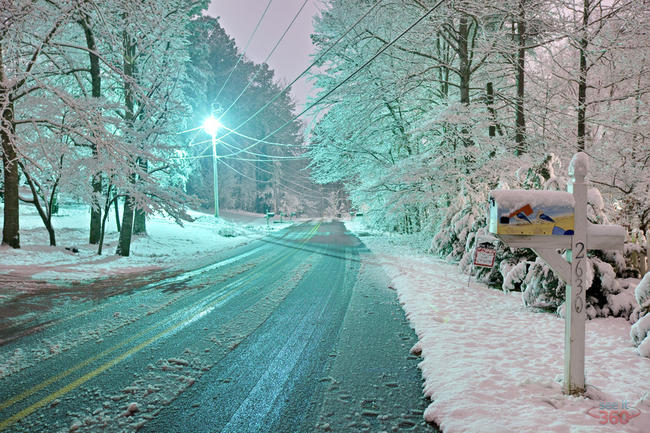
(211, 126)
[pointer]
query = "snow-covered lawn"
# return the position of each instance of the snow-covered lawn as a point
(490, 365)
(165, 245)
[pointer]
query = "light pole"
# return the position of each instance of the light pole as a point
(211, 126)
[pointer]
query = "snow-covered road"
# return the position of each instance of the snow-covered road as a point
(293, 332)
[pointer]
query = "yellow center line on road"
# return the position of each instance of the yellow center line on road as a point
(86, 377)
(5, 404)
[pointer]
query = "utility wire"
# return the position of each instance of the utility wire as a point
(216, 98)
(245, 175)
(248, 137)
(314, 63)
(267, 158)
(270, 157)
(233, 131)
(250, 162)
(359, 69)
(279, 184)
(288, 180)
(250, 82)
(288, 86)
(272, 182)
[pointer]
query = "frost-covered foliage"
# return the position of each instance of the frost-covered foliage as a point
(640, 332)
(642, 296)
(91, 103)
(421, 134)
(541, 287)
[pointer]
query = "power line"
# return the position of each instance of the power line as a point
(247, 137)
(265, 60)
(272, 182)
(250, 162)
(245, 49)
(270, 157)
(359, 69)
(244, 175)
(287, 180)
(287, 87)
(233, 131)
(290, 181)
(314, 63)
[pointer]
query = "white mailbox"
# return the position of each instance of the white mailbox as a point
(548, 221)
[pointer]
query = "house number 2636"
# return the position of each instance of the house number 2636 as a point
(579, 274)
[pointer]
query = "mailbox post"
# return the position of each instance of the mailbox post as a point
(547, 221)
(269, 215)
(575, 299)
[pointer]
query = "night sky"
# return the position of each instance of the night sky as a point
(239, 18)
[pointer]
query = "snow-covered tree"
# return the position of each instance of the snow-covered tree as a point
(22, 71)
(486, 95)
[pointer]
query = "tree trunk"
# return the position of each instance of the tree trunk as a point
(124, 244)
(100, 244)
(520, 122)
(45, 214)
(96, 81)
(463, 57)
(107, 207)
(489, 101)
(10, 228)
(118, 226)
(140, 221)
(464, 74)
(582, 78)
(442, 48)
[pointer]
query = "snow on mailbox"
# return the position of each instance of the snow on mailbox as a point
(520, 212)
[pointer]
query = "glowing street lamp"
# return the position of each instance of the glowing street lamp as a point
(211, 126)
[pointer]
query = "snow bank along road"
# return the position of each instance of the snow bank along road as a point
(294, 332)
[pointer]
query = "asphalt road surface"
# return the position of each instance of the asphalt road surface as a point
(294, 332)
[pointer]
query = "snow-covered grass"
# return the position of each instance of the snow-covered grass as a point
(491, 365)
(166, 244)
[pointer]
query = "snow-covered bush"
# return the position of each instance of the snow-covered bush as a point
(640, 333)
(542, 288)
(513, 274)
(451, 239)
(520, 269)
(642, 293)
(642, 297)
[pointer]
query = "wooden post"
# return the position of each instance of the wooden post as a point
(574, 329)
